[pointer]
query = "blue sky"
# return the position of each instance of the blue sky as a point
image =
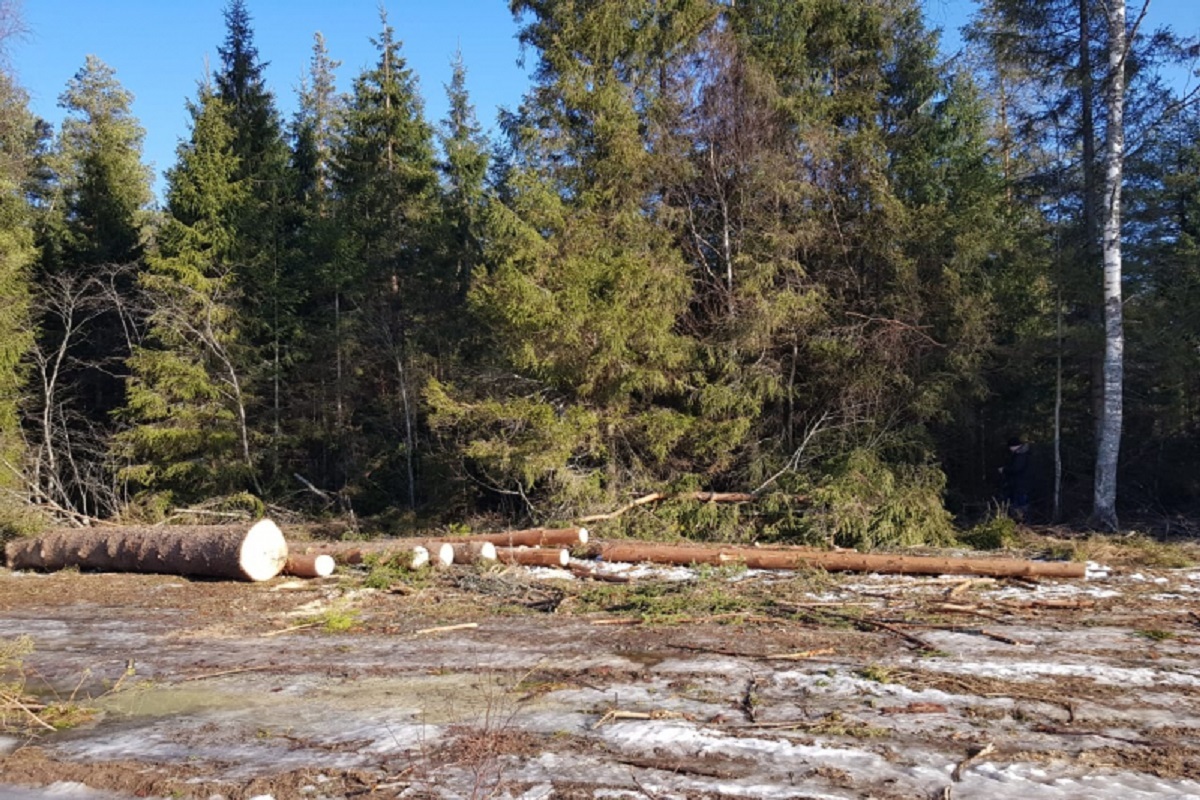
(159, 49)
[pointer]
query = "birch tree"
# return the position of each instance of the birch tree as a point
(1108, 447)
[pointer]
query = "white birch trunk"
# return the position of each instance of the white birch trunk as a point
(1109, 447)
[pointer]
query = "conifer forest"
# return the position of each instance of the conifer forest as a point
(782, 248)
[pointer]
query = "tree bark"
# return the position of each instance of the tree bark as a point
(309, 565)
(836, 561)
(473, 552)
(216, 551)
(1104, 509)
(421, 552)
(532, 537)
(534, 556)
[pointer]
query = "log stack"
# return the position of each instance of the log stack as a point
(259, 552)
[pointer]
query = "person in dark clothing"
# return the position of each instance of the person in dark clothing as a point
(1017, 478)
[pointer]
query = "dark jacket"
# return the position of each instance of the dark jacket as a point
(1017, 475)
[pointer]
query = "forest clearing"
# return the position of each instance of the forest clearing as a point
(641, 681)
(814, 312)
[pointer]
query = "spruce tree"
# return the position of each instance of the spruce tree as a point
(834, 198)
(464, 172)
(583, 288)
(387, 274)
(314, 129)
(316, 403)
(17, 252)
(269, 289)
(106, 186)
(92, 233)
(104, 196)
(189, 399)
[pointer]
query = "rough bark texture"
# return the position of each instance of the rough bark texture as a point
(218, 551)
(534, 556)
(836, 561)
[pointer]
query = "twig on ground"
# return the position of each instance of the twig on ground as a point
(986, 750)
(955, 608)
(224, 672)
(803, 655)
(282, 631)
(447, 628)
(19, 704)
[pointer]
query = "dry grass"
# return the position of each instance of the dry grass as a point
(1116, 550)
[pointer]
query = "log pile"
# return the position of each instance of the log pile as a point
(260, 553)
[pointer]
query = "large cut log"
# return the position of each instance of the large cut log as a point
(309, 565)
(534, 556)
(257, 553)
(837, 561)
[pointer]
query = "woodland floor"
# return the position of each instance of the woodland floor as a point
(676, 684)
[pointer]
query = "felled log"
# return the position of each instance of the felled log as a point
(534, 556)
(257, 553)
(837, 561)
(531, 537)
(309, 565)
(472, 552)
(416, 553)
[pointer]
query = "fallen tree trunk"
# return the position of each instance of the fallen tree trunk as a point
(837, 561)
(309, 565)
(257, 553)
(534, 556)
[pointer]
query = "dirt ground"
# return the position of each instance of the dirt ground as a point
(678, 683)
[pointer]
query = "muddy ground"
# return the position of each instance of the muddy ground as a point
(672, 684)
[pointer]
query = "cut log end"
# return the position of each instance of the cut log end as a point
(534, 556)
(263, 553)
(472, 551)
(310, 566)
(583, 535)
(441, 554)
